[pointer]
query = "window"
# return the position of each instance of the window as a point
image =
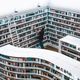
(57, 67)
(6, 20)
(79, 49)
(16, 18)
(30, 59)
(1, 21)
(66, 78)
(19, 17)
(11, 19)
(4, 56)
(28, 19)
(78, 15)
(31, 14)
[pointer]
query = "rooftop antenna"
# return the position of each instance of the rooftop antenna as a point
(38, 4)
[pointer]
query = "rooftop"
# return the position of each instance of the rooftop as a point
(61, 60)
(71, 40)
(10, 6)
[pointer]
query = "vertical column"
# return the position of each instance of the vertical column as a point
(42, 78)
(59, 49)
(16, 75)
(30, 77)
(54, 66)
(62, 77)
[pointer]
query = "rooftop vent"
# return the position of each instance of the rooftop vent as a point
(39, 6)
(16, 11)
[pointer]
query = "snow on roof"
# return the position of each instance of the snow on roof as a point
(71, 40)
(70, 4)
(61, 60)
(9, 6)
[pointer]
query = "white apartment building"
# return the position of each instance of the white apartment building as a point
(17, 28)
(70, 46)
(62, 22)
(36, 64)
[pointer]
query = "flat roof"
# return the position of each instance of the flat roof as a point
(71, 40)
(9, 6)
(58, 59)
(67, 4)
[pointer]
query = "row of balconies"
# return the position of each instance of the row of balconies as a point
(64, 12)
(29, 70)
(76, 34)
(18, 18)
(22, 64)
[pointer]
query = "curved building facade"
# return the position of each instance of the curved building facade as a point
(36, 64)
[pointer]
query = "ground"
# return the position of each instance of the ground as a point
(51, 48)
